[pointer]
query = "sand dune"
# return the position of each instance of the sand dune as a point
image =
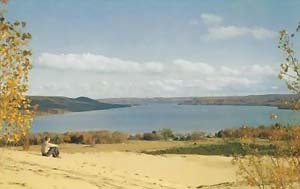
(113, 170)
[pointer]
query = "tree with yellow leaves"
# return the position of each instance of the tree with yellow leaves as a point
(15, 63)
(281, 170)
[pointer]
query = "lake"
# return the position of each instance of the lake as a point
(180, 118)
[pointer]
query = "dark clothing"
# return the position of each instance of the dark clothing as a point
(52, 151)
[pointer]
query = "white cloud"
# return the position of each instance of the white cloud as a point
(262, 33)
(211, 19)
(95, 63)
(229, 71)
(229, 32)
(99, 76)
(257, 69)
(217, 31)
(187, 66)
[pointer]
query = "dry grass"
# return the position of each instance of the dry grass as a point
(129, 146)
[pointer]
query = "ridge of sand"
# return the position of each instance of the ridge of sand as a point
(21, 169)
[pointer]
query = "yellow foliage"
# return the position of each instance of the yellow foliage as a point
(15, 113)
(282, 169)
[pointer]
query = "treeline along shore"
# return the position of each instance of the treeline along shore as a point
(224, 142)
(282, 101)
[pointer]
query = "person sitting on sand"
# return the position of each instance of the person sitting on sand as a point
(49, 149)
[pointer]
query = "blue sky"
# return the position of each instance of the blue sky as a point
(151, 48)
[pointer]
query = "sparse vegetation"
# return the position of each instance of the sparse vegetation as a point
(262, 132)
(88, 137)
(224, 149)
(282, 169)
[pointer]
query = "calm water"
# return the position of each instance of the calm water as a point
(151, 117)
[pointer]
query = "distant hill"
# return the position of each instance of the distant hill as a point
(54, 104)
(278, 100)
(282, 101)
(143, 101)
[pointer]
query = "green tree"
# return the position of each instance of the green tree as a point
(166, 133)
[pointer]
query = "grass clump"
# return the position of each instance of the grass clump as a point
(226, 149)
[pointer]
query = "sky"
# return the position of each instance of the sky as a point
(155, 48)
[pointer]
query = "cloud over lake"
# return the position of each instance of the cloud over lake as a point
(98, 76)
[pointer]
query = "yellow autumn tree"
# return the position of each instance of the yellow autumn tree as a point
(281, 169)
(15, 63)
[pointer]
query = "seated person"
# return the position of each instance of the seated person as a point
(49, 149)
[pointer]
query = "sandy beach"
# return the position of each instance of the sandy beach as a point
(114, 169)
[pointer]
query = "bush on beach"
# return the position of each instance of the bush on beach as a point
(109, 137)
(84, 137)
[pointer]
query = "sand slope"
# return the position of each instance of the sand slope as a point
(112, 170)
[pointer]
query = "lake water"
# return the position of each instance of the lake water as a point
(180, 118)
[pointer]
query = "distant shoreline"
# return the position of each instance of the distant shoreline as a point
(281, 101)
